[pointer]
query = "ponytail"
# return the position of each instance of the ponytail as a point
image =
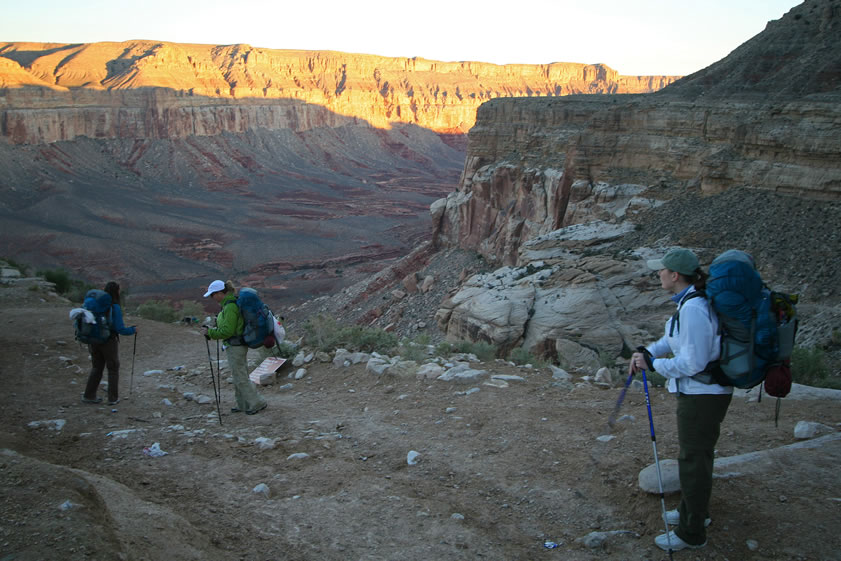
(698, 279)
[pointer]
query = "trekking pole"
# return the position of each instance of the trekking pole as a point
(213, 378)
(133, 354)
(657, 463)
(612, 419)
(219, 374)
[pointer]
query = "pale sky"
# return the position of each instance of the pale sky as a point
(672, 37)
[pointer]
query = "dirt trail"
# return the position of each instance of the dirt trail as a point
(501, 470)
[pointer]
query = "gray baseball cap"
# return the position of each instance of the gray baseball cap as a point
(679, 260)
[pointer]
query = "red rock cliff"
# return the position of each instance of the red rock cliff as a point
(147, 89)
(529, 159)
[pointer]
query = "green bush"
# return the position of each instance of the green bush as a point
(321, 332)
(162, 310)
(483, 351)
(809, 367)
(325, 334)
(413, 351)
(158, 310)
(24, 270)
(654, 379)
(606, 359)
(287, 350)
(77, 292)
(191, 309)
(60, 278)
(522, 356)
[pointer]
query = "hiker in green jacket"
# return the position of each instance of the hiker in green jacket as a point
(229, 328)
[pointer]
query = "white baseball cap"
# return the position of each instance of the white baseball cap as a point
(215, 286)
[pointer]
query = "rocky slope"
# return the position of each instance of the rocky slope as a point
(571, 193)
(529, 160)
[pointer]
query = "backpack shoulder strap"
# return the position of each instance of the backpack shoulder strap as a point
(676, 316)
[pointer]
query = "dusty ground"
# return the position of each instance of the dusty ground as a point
(520, 464)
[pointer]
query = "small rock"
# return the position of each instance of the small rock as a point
(262, 489)
(264, 443)
(752, 545)
(299, 359)
(603, 376)
(298, 456)
(560, 373)
(805, 429)
(412, 458)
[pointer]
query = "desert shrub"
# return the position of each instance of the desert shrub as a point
(191, 309)
(654, 379)
(162, 310)
(412, 350)
(286, 350)
(423, 339)
(73, 289)
(24, 270)
(158, 310)
(809, 367)
(321, 332)
(522, 356)
(606, 359)
(325, 334)
(368, 339)
(59, 277)
(483, 351)
(77, 292)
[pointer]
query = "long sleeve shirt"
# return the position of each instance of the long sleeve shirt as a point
(693, 342)
(117, 321)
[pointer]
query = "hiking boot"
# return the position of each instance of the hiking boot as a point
(115, 402)
(673, 518)
(663, 541)
(91, 400)
(236, 410)
(257, 410)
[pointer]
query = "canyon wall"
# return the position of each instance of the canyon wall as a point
(531, 162)
(146, 89)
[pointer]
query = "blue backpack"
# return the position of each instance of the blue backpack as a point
(757, 325)
(259, 323)
(98, 303)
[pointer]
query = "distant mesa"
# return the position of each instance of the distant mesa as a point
(150, 89)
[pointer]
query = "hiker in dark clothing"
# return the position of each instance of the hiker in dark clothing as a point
(107, 354)
(692, 340)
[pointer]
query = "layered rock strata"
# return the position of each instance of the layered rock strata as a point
(147, 89)
(529, 159)
(733, 156)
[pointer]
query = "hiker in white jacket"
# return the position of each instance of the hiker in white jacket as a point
(691, 341)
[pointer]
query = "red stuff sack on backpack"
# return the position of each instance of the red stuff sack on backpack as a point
(778, 379)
